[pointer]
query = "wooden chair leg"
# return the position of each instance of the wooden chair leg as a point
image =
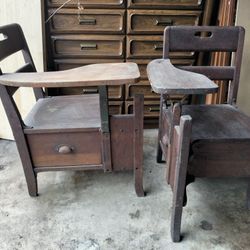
(181, 142)
(248, 195)
(138, 145)
(159, 149)
(17, 126)
(175, 120)
(30, 175)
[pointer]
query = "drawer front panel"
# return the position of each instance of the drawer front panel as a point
(88, 46)
(45, 147)
(89, 3)
(179, 4)
(90, 21)
(142, 87)
(64, 64)
(155, 21)
(150, 47)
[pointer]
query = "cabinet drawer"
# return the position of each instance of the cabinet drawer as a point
(44, 148)
(151, 108)
(90, 21)
(114, 92)
(89, 3)
(87, 46)
(170, 4)
(150, 47)
(116, 107)
(142, 87)
(64, 64)
(154, 21)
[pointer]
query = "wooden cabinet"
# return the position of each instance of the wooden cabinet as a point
(117, 31)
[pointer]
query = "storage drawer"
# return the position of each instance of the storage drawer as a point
(64, 64)
(114, 92)
(90, 21)
(150, 47)
(116, 107)
(155, 21)
(83, 149)
(151, 108)
(170, 4)
(89, 3)
(142, 87)
(88, 46)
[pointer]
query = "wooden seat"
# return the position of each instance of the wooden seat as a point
(64, 113)
(200, 140)
(217, 122)
(71, 132)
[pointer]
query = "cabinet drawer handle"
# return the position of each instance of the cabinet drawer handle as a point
(64, 149)
(158, 47)
(90, 91)
(164, 22)
(84, 46)
(87, 21)
(156, 109)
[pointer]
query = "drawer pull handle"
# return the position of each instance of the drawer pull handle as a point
(156, 109)
(64, 149)
(84, 46)
(90, 91)
(87, 21)
(164, 22)
(158, 47)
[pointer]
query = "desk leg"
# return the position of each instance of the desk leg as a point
(138, 144)
(106, 144)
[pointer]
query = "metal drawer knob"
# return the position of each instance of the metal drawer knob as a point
(64, 149)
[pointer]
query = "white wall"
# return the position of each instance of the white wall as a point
(243, 19)
(28, 14)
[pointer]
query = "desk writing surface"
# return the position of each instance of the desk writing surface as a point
(90, 75)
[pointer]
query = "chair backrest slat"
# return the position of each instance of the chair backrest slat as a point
(202, 38)
(212, 72)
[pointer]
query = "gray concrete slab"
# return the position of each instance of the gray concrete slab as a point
(93, 210)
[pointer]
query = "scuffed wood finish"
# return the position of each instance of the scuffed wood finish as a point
(91, 21)
(89, 3)
(68, 132)
(182, 134)
(154, 21)
(44, 148)
(219, 143)
(90, 75)
(64, 112)
(167, 79)
(88, 46)
(138, 144)
(215, 122)
(177, 4)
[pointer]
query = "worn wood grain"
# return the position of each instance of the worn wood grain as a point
(214, 122)
(64, 112)
(167, 79)
(94, 74)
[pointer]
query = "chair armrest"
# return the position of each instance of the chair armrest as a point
(90, 75)
(167, 79)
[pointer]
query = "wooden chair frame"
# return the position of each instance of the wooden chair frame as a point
(184, 148)
(117, 132)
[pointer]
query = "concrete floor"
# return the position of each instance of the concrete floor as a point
(93, 210)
